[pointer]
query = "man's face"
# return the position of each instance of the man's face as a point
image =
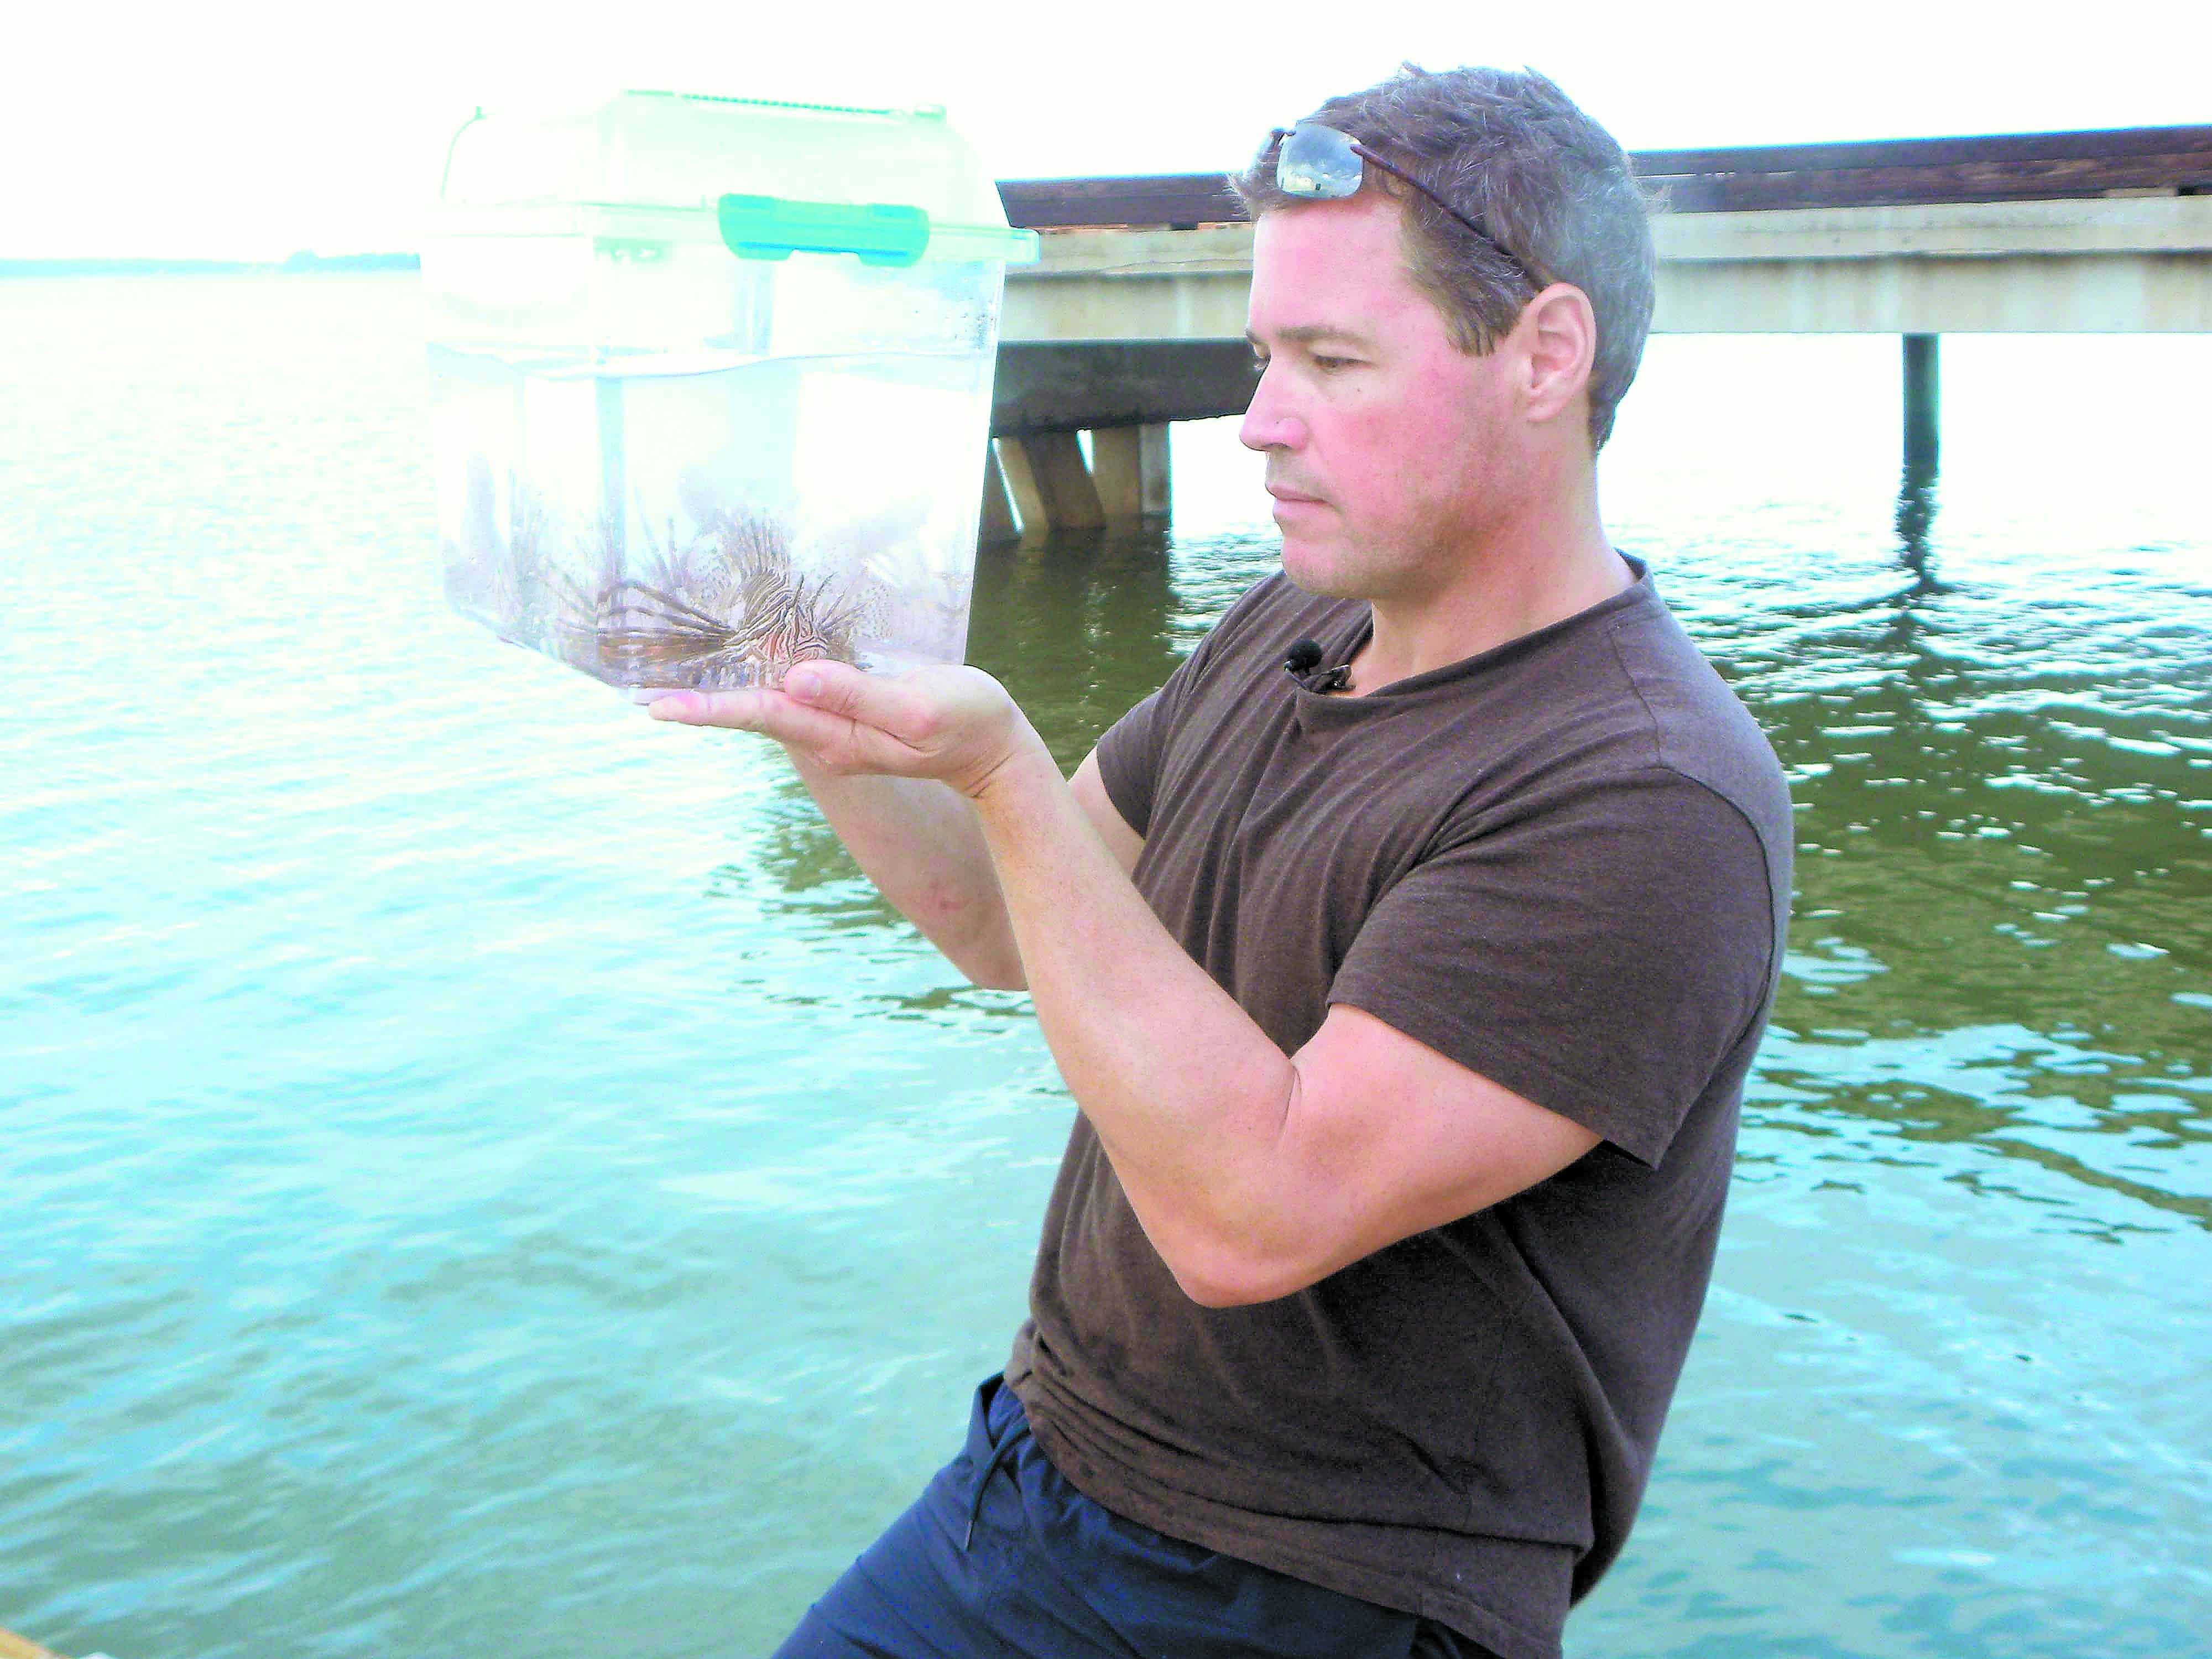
(1385, 442)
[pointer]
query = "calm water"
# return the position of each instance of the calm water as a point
(484, 1175)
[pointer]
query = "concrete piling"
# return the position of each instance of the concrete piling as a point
(1923, 404)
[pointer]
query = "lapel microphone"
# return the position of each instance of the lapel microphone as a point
(1303, 657)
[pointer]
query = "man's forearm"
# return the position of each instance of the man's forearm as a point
(1188, 1095)
(919, 841)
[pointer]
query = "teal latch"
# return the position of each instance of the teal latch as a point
(773, 228)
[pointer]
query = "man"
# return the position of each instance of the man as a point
(1407, 997)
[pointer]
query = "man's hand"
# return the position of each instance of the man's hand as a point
(947, 722)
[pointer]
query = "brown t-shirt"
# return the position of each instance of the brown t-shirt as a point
(1564, 864)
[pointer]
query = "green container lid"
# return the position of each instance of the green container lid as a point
(891, 187)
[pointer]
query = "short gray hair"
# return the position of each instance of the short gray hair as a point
(1512, 151)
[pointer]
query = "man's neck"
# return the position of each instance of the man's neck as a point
(1528, 575)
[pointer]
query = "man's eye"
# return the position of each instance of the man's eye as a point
(1331, 364)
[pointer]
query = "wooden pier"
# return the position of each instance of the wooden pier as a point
(1133, 318)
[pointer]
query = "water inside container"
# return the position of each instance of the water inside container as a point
(704, 519)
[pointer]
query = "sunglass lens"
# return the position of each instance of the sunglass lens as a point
(1317, 160)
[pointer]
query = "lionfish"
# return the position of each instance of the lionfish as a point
(724, 609)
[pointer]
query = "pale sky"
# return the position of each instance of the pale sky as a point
(233, 128)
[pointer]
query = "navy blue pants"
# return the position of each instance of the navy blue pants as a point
(1001, 1559)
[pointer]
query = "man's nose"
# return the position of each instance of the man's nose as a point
(1269, 423)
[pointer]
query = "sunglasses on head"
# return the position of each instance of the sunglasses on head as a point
(1321, 164)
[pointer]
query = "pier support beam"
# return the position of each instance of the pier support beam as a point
(1084, 385)
(1130, 467)
(1915, 494)
(1923, 404)
(1126, 480)
(1127, 394)
(996, 523)
(1051, 486)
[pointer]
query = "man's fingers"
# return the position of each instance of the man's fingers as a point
(942, 721)
(832, 738)
(835, 687)
(738, 710)
(766, 712)
(838, 687)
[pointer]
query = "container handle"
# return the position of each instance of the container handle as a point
(776, 226)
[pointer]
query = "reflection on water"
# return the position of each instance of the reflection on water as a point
(2002, 934)
(486, 1174)
(1916, 516)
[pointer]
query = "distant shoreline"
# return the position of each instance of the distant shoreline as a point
(314, 263)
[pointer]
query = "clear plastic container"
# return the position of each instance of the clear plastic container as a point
(712, 384)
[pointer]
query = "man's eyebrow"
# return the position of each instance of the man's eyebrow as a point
(1307, 334)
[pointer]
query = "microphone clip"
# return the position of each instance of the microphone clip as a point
(1303, 657)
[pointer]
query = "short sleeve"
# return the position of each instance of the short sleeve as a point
(1129, 753)
(1129, 759)
(1602, 953)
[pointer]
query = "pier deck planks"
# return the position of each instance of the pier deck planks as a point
(1890, 172)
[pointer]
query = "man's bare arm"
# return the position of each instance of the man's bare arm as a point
(920, 843)
(918, 840)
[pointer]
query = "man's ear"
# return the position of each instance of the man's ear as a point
(1560, 341)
